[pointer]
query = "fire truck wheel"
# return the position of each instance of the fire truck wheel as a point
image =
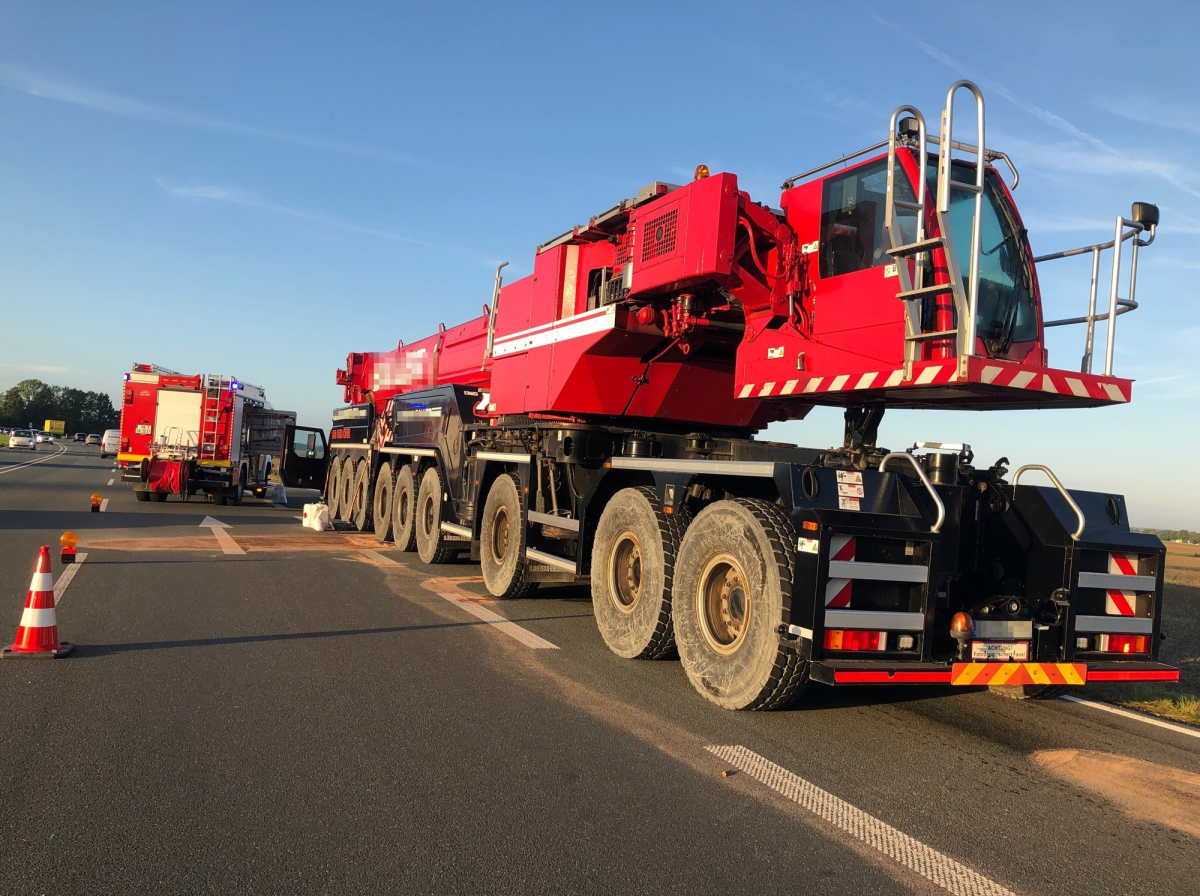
(502, 542)
(733, 577)
(382, 502)
(633, 570)
(432, 545)
(346, 491)
(404, 531)
(1032, 691)
(360, 500)
(141, 494)
(333, 488)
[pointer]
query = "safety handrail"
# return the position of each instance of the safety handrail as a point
(1116, 305)
(968, 306)
(941, 508)
(1062, 491)
(491, 329)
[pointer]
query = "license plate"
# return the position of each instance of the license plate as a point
(143, 429)
(986, 650)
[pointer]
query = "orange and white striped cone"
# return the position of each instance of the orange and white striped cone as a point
(37, 635)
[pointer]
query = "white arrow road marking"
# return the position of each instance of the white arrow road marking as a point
(908, 851)
(224, 539)
(60, 587)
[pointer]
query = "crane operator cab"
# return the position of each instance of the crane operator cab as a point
(919, 288)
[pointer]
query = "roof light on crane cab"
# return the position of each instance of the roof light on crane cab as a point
(701, 172)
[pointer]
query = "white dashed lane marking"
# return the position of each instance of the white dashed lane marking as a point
(1136, 716)
(111, 481)
(60, 587)
(908, 851)
(104, 505)
(494, 620)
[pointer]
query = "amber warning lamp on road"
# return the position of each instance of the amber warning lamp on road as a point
(68, 540)
(96, 501)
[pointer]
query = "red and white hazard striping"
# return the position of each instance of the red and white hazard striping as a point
(837, 591)
(934, 866)
(1121, 603)
(1054, 382)
(932, 373)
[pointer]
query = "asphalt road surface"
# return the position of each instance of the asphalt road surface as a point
(317, 713)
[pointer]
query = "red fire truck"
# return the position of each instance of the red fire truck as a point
(183, 435)
(597, 424)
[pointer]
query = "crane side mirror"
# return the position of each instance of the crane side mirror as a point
(1145, 214)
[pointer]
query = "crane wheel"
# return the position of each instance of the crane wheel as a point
(333, 488)
(633, 571)
(158, 497)
(404, 503)
(1032, 691)
(502, 541)
(346, 489)
(432, 544)
(733, 578)
(382, 502)
(141, 494)
(359, 513)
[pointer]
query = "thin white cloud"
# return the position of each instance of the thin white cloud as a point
(58, 89)
(1103, 159)
(1148, 110)
(211, 193)
(35, 368)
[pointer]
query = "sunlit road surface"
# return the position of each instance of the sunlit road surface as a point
(319, 713)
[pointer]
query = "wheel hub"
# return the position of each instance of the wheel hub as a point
(724, 604)
(625, 572)
(500, 535)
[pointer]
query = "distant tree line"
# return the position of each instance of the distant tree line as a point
(1184, 535)
(32, 402)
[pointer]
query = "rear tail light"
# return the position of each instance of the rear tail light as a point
(1123, 643)
(841, 639)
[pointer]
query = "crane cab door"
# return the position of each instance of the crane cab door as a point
(304, 457)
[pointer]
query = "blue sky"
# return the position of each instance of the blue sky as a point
(258, 189)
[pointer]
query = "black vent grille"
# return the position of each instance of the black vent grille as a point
(658, 235)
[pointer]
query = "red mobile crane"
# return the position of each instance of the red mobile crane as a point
(597, 422)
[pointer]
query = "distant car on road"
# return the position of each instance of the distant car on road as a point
(22, 438)
(110, 443)
(93, 439)
(45, 437)
(81, 437)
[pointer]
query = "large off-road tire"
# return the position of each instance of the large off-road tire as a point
(432, 544)
(160, 497)
(360, 497)
(346, 492)
(733, 577)
(382, 503)
(502, 541)
(333, 488)
(141, 494)
(1032, 691)
(404, 505)
(633, 571)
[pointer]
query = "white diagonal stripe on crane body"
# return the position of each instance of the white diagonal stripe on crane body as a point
(1021, 380)
(928, 375)
(910, 852)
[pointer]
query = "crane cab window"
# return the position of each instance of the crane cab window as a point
(853, 206)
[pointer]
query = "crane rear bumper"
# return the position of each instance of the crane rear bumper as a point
(852, 672)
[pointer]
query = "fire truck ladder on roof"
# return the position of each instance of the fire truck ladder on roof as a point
(965, 292)
(210, 416)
